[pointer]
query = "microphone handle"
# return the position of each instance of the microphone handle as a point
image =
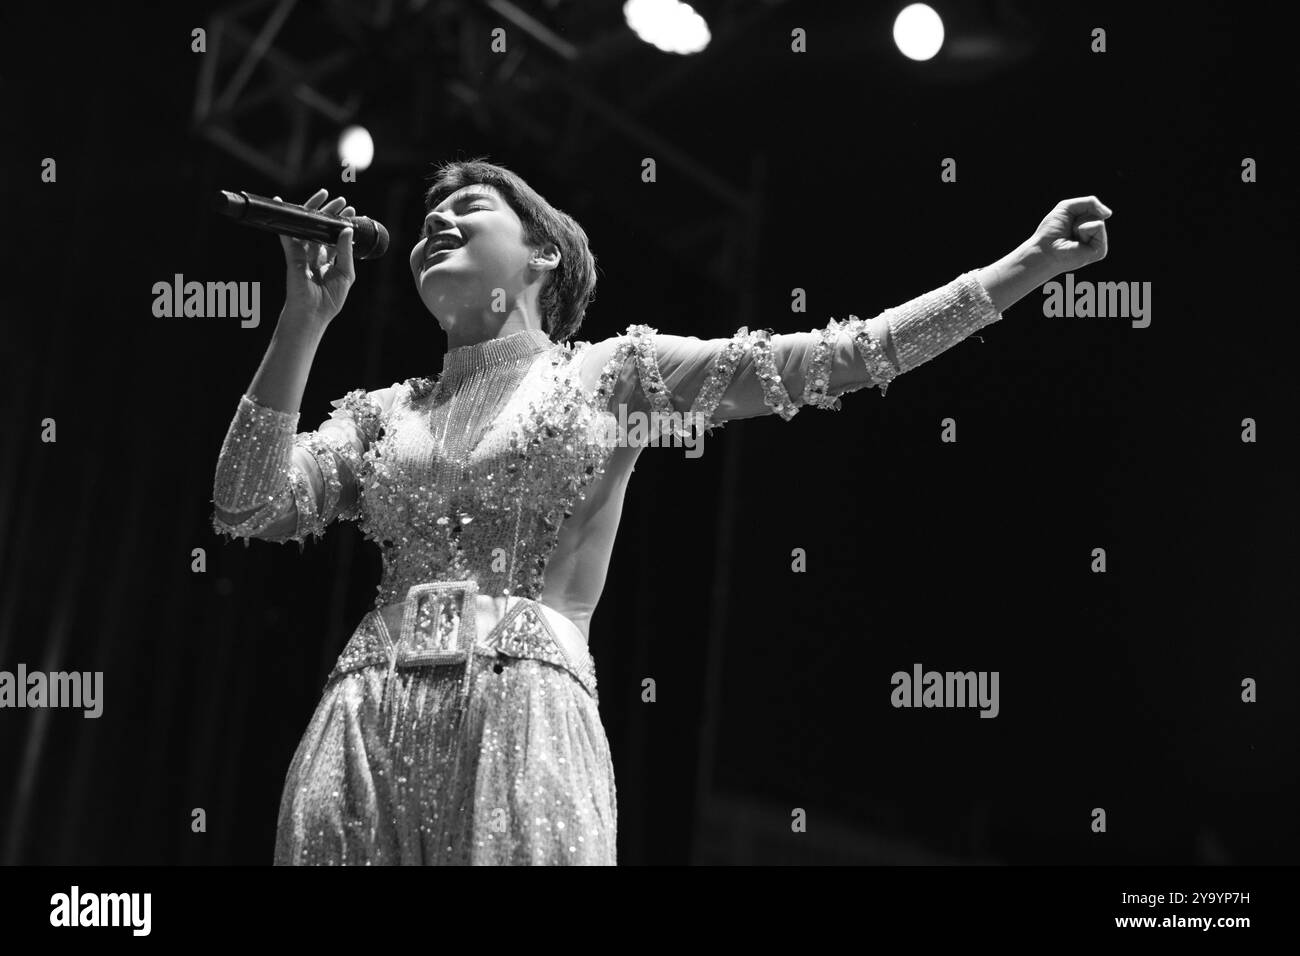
(370, 239)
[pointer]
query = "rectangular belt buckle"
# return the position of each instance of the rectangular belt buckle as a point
(439, 624)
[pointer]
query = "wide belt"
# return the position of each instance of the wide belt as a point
(448, 622)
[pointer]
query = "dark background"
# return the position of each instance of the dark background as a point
(1119, 690)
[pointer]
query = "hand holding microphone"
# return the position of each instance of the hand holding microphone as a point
(303, 222)
(317, 238)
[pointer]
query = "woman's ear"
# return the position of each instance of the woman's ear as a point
(546, 257)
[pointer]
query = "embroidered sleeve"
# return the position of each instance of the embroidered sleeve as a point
(280, 485)
(692, 383)
(929, 325)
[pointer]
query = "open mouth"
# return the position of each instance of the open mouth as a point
(440, 245)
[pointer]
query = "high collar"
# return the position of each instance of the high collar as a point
(460, 363)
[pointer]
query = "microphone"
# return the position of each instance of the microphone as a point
(369, 238)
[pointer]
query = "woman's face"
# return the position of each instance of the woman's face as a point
(462, 280)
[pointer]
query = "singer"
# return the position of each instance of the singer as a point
(460, 724)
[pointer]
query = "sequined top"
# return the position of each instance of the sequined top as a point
(509, 468)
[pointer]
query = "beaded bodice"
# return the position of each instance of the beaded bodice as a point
(474, 472)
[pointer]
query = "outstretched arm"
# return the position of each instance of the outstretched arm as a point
(757, 373)
(705, 382)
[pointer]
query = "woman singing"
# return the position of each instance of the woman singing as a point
(460, 724)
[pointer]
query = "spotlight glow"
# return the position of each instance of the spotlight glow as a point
(918, 31)
(670, 25)
(356, 148)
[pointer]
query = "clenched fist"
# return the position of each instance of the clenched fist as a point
(1073, 234)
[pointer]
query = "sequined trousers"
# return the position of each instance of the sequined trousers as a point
(472, 736)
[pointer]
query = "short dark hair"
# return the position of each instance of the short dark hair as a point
(572, 284)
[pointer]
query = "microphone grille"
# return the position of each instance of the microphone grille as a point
(381, 241)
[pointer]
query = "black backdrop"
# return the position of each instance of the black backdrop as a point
(1118, 690)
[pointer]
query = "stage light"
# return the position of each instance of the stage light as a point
(918, 31)
(356, 148)
(670, 25)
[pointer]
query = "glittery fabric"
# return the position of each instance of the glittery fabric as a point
(461, 722)
(403, 764)
(932, 323)
(252, 476)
